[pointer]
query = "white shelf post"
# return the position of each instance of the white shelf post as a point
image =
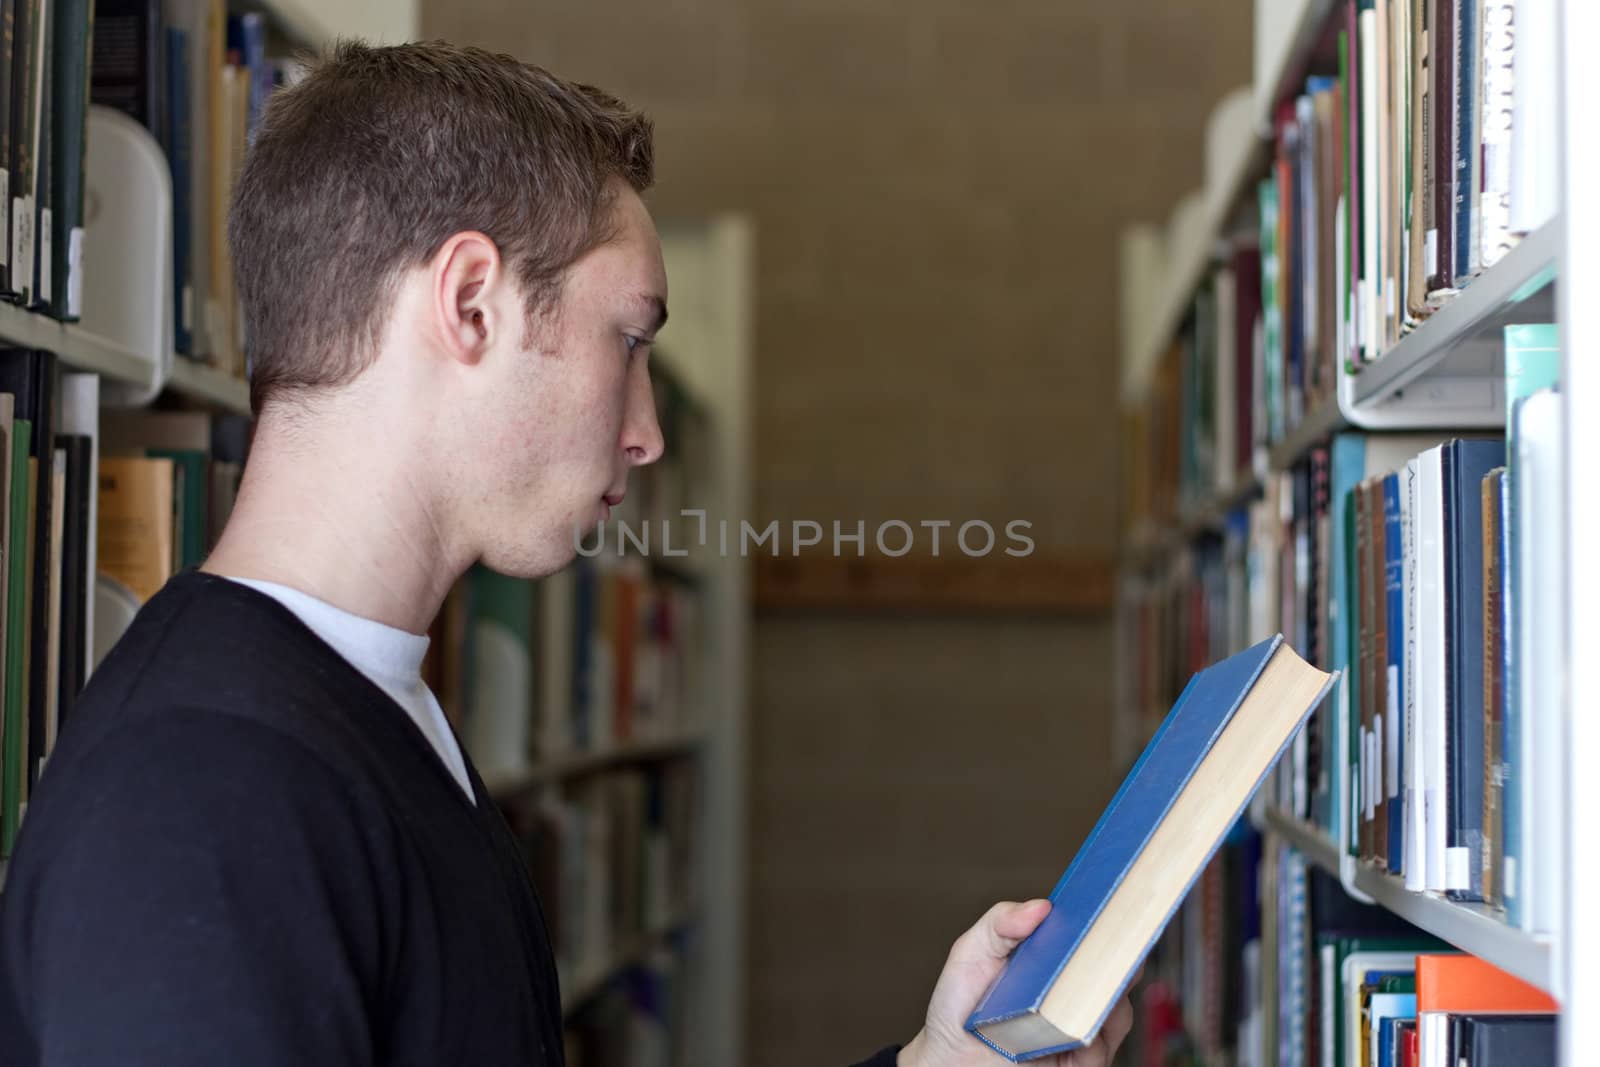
(1577, 959)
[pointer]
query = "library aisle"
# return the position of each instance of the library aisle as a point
(1361, 419)
(915, 596)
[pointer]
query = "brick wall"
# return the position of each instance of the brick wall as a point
(937, 189)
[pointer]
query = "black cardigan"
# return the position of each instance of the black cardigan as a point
(243, 852)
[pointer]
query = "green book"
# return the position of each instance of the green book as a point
(1533, 363)
(68, 117)
(1336, 998)
(16, 637)
(192, 478)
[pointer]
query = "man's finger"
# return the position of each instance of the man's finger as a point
(999, 931)
(1120, 1022)
(1095, 1054)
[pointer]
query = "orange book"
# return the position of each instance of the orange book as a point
(1467, 985)
(1461, 984)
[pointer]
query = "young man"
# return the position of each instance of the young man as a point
(258, 842)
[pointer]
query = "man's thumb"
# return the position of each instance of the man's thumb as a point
(1003, 927)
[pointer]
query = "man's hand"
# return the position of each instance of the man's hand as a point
(974, 961)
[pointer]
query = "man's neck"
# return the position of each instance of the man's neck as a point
(345, 521)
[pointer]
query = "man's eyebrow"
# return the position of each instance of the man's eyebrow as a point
(659, 306)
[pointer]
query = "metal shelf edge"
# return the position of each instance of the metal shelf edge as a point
(571, 765)
(1523, 270)
(1469, 927)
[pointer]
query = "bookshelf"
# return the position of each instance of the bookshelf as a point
(76, 347)
(207, 385)
(81, 350)
(1440, 375)
(1469, 927)
(510, 785)
(710, 265)
(578, 989)
(1461, 339)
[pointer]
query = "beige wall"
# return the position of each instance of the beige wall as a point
(937, 189)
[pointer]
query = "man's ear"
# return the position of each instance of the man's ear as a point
(465, 272)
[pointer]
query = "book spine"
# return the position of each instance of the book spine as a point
(1499, 116)
(1416, 172)
(1441, 53)
(1377, 539)
(1466, 127)
(1370, 301)
(1412, 863)
(44, 151)
(21, 114)
(8, 18)
(69, 134)
(14, 771)
(1490, 530)
(43, 372)
(1394, 684)
(180, 159)
(1361, 650)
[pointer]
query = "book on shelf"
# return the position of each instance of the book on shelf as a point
(29, 376)
(1460, 993)
(47, 492)
(1397, 574)
(614, 859)
(197, 76)
(638, 1020)
(595, 658)
(1150, 844)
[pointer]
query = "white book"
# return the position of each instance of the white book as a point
(1431, 667)
(1497, 120)
(1541, 638)
(1433, 1039)
(1535, 174)
(1372, 310)
(1415, 869)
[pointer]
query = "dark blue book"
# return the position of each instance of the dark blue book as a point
(583, 605)
(1193, 781)
(1394, 725)
(1506, 1040)
(181, 164)
(1465, 463)
(1467, 83)
(247, 36)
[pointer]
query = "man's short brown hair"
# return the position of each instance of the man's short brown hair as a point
(365, 167)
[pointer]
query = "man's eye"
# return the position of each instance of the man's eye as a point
(633, 344)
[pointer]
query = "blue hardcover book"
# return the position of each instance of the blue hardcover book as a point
(1193, 781)
(1533, 362)
(1394, 742)
(247, 35)
(1465, 464)
(178, 159)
